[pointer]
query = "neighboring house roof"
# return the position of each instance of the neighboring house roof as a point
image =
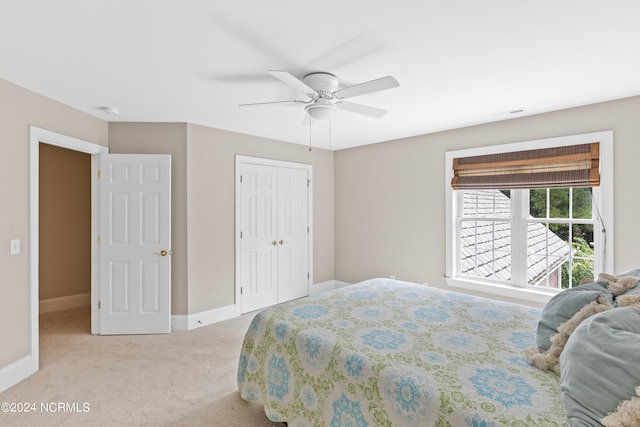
(486, 245)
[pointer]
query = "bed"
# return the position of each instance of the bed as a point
(391, 353)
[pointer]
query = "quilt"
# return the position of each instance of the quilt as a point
(391, 353)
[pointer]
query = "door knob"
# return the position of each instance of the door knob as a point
(162, 253)
(281, 242)
(274, 243)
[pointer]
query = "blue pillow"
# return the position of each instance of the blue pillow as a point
(600, 365)
(634, 273)
(563, 306)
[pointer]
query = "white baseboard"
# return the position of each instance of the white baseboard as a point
(341, 284)
(179, 322)
(204, 318)
(64, 303)
(327, 286)
(191, 321)
(12, 374)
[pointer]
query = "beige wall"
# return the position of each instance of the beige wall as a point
(65, 222)
(20, 108)
(389, 197)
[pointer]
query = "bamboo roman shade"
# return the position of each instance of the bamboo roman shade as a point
(556, 167)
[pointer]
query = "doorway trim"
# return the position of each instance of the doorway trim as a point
(238, 254)
(37, 136)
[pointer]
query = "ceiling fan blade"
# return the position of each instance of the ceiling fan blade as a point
(294, 101)
(362, 109)
(383, 83)
(292, 81)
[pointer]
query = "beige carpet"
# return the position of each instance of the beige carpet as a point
(186, 378)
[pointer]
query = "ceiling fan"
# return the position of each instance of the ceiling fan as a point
(324, 97)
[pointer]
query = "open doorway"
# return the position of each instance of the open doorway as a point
(65, 229)
(37, 137)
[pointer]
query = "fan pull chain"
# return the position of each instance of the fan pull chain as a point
(309, 133)
(330, 121)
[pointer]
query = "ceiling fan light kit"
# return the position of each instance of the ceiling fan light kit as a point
(320, 110)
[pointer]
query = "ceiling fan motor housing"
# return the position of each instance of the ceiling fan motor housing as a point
(323, 83)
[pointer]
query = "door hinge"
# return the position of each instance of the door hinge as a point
(241, 234)
(240, 290)
(99, 238)
(308, 182)
(240, 179)
(99, 305)
(308, 275)
(99, 173)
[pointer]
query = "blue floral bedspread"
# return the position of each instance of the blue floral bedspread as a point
(391, 353)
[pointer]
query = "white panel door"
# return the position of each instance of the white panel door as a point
(258, 236)
(135, 244)
(293, 234)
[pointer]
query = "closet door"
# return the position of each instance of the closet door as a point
(272, 248)
(258, 236)
(293, 234)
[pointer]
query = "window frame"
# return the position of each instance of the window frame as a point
(603, 197)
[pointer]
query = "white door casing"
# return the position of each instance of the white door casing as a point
(29, 364)
(135, 243)
(273, 232)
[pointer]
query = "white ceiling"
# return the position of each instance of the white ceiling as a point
(458, 62)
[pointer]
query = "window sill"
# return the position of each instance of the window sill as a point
(530, 295)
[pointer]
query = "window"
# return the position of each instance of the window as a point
(553, 226)
(484, 227)
(529, 242)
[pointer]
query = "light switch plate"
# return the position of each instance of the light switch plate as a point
(15, 246)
